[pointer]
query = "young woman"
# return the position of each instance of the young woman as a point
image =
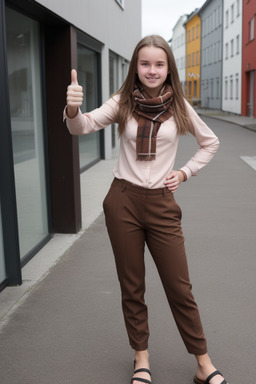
(140, 207)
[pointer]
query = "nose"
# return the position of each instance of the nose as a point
(152, 69)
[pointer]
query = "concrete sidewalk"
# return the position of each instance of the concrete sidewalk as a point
(94, 185)
(64, 324)
(243, 121)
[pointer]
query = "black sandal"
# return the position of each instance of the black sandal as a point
(140, 379)
(207, 381)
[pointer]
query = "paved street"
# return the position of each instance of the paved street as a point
(69, 329)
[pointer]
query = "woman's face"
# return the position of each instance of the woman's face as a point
(152, 69)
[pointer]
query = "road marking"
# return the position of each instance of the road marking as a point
(250, 160)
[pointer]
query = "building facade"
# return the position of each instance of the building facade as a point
(40, 162)
(193, 54)
(179, 48)
(232, 56)
(249, 59)
(211, 60)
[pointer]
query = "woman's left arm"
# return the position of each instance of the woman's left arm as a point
(208, 145)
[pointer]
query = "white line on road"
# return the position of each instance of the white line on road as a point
(250, 160)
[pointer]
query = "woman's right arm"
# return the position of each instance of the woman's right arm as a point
(74, 96)
(82, 124)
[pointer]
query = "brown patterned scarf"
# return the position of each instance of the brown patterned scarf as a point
(150, 114)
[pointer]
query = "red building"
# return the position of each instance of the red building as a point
(249, 59)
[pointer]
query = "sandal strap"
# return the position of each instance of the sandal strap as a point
(141, 380)
(142, 370)
(215, 373)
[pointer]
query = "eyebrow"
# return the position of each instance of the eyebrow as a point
(146, 61)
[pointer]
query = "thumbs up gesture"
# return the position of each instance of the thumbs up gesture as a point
(74, 95)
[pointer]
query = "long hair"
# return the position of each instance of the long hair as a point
(126, 104)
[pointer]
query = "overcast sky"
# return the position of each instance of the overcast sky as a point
(160, 16)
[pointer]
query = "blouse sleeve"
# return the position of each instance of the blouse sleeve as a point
(99, 118)
(208, 143)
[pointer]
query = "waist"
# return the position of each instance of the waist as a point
(127, 185)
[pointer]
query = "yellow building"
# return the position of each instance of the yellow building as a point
(193, 46)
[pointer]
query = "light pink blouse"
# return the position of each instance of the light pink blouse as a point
(148, 174)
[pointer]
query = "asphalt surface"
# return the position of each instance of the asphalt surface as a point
(69, 327)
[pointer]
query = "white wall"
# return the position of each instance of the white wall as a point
(104, 20)
(179, 47)
(232, 64)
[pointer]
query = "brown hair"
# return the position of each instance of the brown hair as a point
(126, 105)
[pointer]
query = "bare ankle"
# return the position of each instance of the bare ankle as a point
(203, 360)
(141, 357)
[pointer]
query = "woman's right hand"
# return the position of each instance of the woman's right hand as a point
(74, 96)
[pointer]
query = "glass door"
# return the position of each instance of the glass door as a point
(24, 76)
(89, 145)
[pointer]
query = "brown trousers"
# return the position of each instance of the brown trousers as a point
(135, 216)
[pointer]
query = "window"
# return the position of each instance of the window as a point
(189, 88)
(237, 44)
(207, 89)
(189, 36)
(251, 29)
(207, 25)
(203, 28)
(237, 86)
(232, 48)
(193, 59)
(227, 16)
(226, 51)
(220, 15)
(197, 31)
(193, 33)
(212, 89)
(25, 90)
(87, 61)
(125, 67)
(232, 13)
(214, 53)
(237, 8)
(217, 51)
(210, 23)
(226, 88)
(195, 88)
(217, 88)
(231, 87)
(197, 58)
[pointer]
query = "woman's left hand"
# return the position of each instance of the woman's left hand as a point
(173, 180)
